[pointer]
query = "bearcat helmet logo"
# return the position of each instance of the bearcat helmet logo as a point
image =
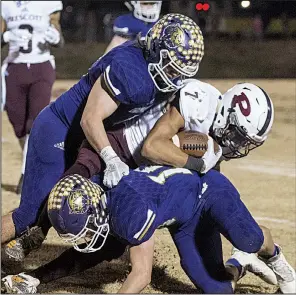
(78, 203)
(174, 36)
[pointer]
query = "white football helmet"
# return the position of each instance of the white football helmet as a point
(243, 120)
(147, 11)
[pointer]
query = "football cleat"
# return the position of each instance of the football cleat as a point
(250, 262)
(19, 284)
(284, 272)
(20, 247)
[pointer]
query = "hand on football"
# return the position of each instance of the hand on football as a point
(115, 170)
(211, 157)
(52, 35)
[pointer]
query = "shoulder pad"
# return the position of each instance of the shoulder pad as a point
(198, 102)
(123, 80)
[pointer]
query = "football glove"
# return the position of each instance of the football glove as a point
(52, 35)
(210, 158)
(21, 36)
(115, 168)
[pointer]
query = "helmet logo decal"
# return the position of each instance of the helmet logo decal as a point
(174, 36)
(77, 203)
(243, 103)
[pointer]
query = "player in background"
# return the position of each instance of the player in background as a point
(197, 209)
(119, 86)
(142, 18)
(191, 114)
(28, 72)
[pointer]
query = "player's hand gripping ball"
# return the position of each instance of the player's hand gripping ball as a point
(193, 143)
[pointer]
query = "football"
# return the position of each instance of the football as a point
(193, 143)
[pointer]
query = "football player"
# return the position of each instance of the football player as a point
(127, 142)
(28, 72)
(188, 110)
(197, 208)
(119, 86)
(142, 18)
(194, 108)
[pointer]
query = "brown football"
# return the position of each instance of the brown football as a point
(193, 143)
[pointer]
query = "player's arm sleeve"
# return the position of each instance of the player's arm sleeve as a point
(120, 88)
(192, 264)
(122, 29)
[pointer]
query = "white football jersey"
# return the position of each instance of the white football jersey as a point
(137, 130)
(198, 102)
(35, 17)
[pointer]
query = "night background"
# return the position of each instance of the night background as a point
(92, 20)
(263, 32)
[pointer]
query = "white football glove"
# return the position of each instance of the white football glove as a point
(52, 35)
(115, 168)
(21, 36)
(210, 158)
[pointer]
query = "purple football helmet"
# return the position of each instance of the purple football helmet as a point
(77, 211)
(174, 49)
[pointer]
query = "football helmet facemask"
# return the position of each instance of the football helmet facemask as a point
(147, 11)
(77, 210)
(174, 49)
(243, 120)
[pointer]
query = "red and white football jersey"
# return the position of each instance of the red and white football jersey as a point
(35, 17)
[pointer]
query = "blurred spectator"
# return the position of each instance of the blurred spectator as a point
(108, 27)
(258, 27)
(285, 25)
(222, 24)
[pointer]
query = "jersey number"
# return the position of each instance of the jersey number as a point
(163, 175)
(29, 49)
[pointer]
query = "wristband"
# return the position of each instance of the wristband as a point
(107, 153)
(193, 163)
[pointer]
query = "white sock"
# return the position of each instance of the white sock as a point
(25, 153)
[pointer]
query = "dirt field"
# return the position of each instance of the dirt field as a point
(265, 179)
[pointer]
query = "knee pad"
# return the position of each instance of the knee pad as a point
(236, 223)
(250, 242)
